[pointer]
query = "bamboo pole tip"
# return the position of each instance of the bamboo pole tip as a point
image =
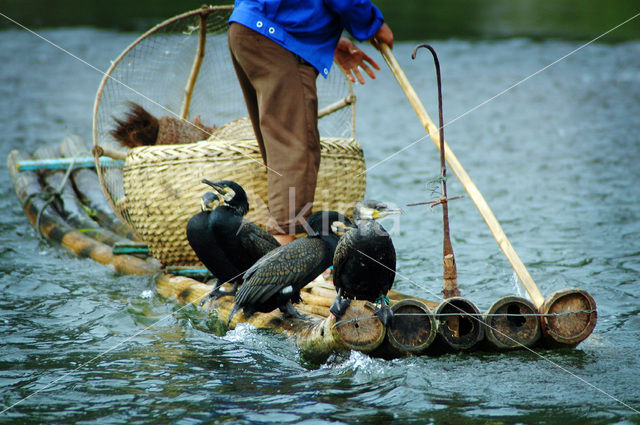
(514, 325)
(572, 316)
(413, 328)
(459, 323)
(358, 329)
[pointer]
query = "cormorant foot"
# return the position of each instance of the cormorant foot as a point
(339, 306)
(288, 310)
(215, 294)
(232, 313)
(218, 293)
(385, 314)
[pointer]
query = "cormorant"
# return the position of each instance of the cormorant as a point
(225, 242)
(276, 279)
(364, 264)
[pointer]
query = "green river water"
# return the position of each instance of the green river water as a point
(557, 158)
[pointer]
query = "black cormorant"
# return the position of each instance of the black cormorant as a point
(225, 242)
(276, 279)
(364, 264)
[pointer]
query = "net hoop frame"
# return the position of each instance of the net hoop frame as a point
(98, 151)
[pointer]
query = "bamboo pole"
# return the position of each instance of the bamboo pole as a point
(68, 204)
(336, 106)
(459, 323)
(327, 291)
(101, 151)
(517, 328)
(492, 222)
(55, 229)
(65, 163)
(197, 63)
(413, 328)
(576, 317)
(89, 190)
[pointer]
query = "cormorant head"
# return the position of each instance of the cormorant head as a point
(325, 223)
(209, 201)
(370, 209)
(232, 195)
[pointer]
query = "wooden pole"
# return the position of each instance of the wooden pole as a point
(450, 275)
(492, 222)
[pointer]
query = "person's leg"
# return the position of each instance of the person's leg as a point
(237, 40)
(285, 88)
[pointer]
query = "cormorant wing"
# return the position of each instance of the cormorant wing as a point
(372, 246)
(293, 264)
(344, 250)
(255, 240)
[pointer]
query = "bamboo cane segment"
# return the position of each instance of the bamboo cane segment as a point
(87, 185)
(70, 207)
(519, 329)
(492, 222)
(197, 63)
(55, 229)
(327, 291)
(343, 103)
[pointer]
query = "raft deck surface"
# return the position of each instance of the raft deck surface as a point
(415, 329)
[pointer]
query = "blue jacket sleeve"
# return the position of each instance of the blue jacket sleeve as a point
(360, 17)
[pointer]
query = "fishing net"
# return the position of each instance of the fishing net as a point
(180, 71)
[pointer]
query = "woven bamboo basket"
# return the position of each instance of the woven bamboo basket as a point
(162, 186)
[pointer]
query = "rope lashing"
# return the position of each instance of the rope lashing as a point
(435, 202)
(565, 313)
(475, 315)
(49, 195)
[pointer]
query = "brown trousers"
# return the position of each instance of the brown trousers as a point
(280, 92)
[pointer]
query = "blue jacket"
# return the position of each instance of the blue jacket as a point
(309, 28)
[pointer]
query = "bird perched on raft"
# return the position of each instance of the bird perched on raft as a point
(140, 128)
(226, 242)
(276, 279)
(364, 264)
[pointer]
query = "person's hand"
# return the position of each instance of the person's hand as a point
(383, 35)
(351, 58)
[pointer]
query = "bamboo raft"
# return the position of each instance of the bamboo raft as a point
(67, 207)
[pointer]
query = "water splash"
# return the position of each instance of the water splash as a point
(147, 294)
(515, 282)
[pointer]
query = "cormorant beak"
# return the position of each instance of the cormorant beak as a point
(209, 201)
(218, 188)
(226, 192)
(385, 211)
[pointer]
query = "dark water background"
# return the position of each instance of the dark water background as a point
(557, 158)
(410, 19)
